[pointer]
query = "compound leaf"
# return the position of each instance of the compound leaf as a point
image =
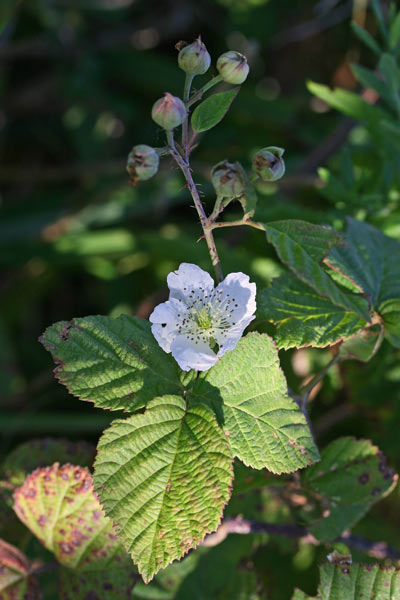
(371, 260)
(114, 363)
(303, 317)
(164, 477)
(352, 476)
(265, 427)
(302, 247)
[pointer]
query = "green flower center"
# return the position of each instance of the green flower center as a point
(203, 319)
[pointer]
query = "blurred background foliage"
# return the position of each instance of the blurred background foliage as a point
(78, 79)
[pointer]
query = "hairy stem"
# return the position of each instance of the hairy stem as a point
(205, 223)
(198, 95)
(185, 124)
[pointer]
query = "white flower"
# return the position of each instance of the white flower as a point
(199, 323)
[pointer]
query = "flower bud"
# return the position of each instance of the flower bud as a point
(169, 112)
(194, 58)
(233, 67)
(142, 163)
(269, 164)
(227, 180)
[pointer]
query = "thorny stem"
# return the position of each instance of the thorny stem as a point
(238, 223)
(185, 124)
(205, 222)
(198, 95)
(239, 525)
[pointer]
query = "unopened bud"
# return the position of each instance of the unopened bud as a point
(194, 58)
(233, 67)
(269, 164)
(142, 163)
(227, 180)
(169, 112)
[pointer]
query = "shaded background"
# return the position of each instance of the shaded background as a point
(78, 79)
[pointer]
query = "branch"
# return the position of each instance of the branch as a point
(242, 526)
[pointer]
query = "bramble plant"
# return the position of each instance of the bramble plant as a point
(208, 403)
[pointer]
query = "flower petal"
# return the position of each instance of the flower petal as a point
(190, 355)
(242, 294)
(228, 339)
(187, 278)
(164, 328)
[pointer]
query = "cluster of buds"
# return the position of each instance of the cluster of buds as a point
(170, 112)
(268, 163)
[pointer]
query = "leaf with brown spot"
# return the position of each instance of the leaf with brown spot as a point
(58, 504)
(351, 476)
(16, 580)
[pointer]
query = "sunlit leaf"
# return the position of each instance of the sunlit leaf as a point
(303, 317)
(164, 477)
(248, 389)
(114, 363)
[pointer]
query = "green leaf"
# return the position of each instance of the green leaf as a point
(355, 582)
(371, 260)
(364, 344)
(114, 579)
(210, 112)
(394, 33)
(302, 247)
(114, 363)
(60, 508)
(42, 452)
(164, 477)
(243, 586)
(387, 65)
(366, 38)
(299, 595)
(303, 317)
(16, 581)
(376, 7)
(352, 476)
(215, 569)
(265, 427)
(390, 311)
(368, 79)
(349, 104)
